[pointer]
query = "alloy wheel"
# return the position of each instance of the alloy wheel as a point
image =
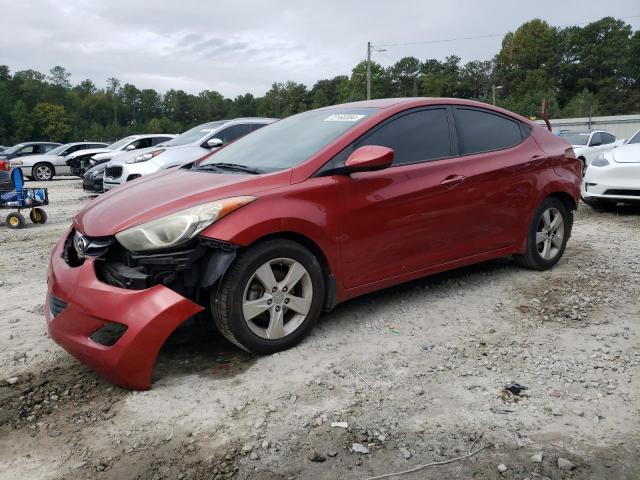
(43, 172)
(277, 298)
(550, 233)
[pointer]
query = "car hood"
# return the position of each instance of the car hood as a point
(164, 193)
(89, 151)
(627, 153)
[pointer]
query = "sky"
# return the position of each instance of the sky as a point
(240, 46)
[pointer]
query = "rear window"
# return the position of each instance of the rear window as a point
(482, 131)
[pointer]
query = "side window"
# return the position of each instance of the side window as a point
(27, 150)
(257, 126)
(607, 138)
(75, 148)
(414, 137)
(233, 132)
(142, 143)
(482, 131)
(156, 140)
(596, 140)
(46, 148)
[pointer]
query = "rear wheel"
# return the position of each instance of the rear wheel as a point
(548, 235)
(43, 172)
(270, 297)
(38, 215)
(15, 220)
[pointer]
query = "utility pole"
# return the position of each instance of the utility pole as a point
(368, 70)
(493, 89)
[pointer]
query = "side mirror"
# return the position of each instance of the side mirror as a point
(369, 159)
(214, 143)
(130, 147)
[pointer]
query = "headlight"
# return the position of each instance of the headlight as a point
(145, 156)
(600, 161)
(178, 228)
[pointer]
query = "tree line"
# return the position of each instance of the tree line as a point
(581, 71)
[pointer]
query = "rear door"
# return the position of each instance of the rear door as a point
(501, 164)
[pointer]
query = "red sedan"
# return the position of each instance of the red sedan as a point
(313, 210)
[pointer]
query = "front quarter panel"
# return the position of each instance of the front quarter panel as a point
(310, 209)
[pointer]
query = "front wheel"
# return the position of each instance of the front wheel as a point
(43, 172)
(270, 297)
(548, 235)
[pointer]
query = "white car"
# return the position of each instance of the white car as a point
(183, 149)
(52, 163)
(588, 145)
(79, 162)
(614, 177)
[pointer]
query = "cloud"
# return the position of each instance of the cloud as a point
(246, 45)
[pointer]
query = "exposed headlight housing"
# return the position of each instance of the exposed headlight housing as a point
(180, 227)
(143, 157)
(600, 161)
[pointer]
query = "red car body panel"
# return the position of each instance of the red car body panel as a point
(150, 317)
(373, 229)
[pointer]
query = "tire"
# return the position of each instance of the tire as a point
(603, 205)
(552, 241)
(38, 215)
(43, 172)
(15, 220)
(242, 281)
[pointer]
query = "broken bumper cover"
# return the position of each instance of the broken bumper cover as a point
(78, 305)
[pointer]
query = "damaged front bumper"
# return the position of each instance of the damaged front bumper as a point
(116, 331)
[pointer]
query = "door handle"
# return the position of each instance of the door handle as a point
(452, 180)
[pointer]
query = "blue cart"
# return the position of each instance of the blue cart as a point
(18, 198)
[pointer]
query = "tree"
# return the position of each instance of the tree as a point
(404, 77)
(51, 121)
(60, 77)
(22, 124)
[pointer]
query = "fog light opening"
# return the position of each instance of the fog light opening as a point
(109, 334)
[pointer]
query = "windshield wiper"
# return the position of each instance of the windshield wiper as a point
(231, 166)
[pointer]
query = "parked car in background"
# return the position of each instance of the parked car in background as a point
(93, 177)
(589, 144)
(614, 177)
(27, 148)
(300, 215)
(79, 161)
(53, 163)
(2, 148)
(185, 148)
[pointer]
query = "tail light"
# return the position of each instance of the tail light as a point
(4, 165)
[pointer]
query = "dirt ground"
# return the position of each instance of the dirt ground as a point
(415, 371)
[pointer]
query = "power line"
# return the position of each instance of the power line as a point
(478, 37)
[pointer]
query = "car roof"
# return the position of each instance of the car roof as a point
(86, 143)
(38, 143)
(247, 120)
(143, 135)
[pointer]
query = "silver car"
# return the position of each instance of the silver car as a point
(78, 162)
(47, 165)
(185, 148)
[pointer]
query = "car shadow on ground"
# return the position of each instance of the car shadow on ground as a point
(195, 348)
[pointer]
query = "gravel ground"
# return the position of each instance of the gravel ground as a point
(415, 372)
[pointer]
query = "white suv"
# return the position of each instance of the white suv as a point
(183, 149)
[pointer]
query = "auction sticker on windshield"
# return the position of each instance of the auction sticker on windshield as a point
(343, 118)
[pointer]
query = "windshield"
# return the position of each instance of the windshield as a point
(575, 138)
(195, 134)
(120, 143)
(57, 150)
(635, 138)
(291, 141)
(14, 149)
